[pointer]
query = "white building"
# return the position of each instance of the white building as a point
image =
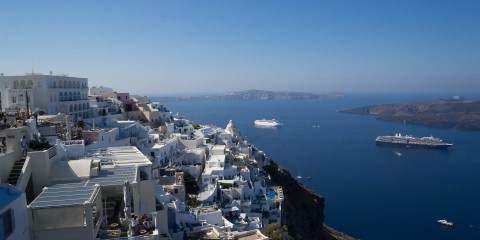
(99, 90)
(14, 223)
(82, 195)
(49, 93)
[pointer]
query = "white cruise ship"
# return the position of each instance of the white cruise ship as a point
(267, 123)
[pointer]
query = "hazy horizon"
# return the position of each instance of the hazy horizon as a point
(172, 48)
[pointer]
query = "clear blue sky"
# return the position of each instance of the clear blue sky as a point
(171, 47)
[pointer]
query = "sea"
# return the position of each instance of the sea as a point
(370, 191)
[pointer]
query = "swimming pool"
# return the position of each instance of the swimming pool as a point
(272, 194)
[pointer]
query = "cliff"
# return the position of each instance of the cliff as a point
(459, 114)
(303, 208)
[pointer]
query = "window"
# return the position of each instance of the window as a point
(14, 99)
(7, 224)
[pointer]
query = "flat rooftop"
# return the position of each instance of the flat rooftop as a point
(128, 155)
(250, 235)
(218, 147)
(206, 233)
(74, 193)
(217, 158)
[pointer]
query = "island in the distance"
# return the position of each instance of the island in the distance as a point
(254, 95)
(451, 113)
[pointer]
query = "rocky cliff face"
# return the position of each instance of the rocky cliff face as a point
(303, 208)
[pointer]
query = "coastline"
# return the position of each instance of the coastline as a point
(304, 209)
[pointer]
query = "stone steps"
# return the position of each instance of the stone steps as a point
(16, 171)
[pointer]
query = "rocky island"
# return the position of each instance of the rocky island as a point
(451, 113)
(254, 95)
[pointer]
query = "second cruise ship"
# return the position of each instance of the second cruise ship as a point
(409, 141)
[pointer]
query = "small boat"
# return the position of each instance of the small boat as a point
(309, 178)
(299, 177)
(397, 153)
(470, 226)
(445, 223)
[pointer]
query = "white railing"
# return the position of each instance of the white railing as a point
(73, 142)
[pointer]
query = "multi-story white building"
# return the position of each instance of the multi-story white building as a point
(100, 90)
(50, 93)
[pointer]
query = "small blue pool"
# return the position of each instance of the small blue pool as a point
(272, 194)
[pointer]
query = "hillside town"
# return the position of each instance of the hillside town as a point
(83, 162)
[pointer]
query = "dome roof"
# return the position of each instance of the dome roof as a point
(231, 127)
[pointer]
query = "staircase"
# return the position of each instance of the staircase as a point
(16, 170)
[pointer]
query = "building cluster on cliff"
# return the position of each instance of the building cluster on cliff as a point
(102, 164)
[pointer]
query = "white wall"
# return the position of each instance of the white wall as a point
(192, 143)
(214, 218)
(193, 170)
(41, 165)
(14, 151)
(19, 207)
(147, 201)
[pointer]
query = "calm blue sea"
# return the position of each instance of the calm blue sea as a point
(370, 192)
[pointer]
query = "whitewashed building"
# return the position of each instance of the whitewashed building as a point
(48, 93)
(99, 90)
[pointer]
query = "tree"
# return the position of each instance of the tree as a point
(276, 232)
(196, 125)
(193, 201)
(191, 185)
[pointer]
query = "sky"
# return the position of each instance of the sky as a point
(178, 47)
